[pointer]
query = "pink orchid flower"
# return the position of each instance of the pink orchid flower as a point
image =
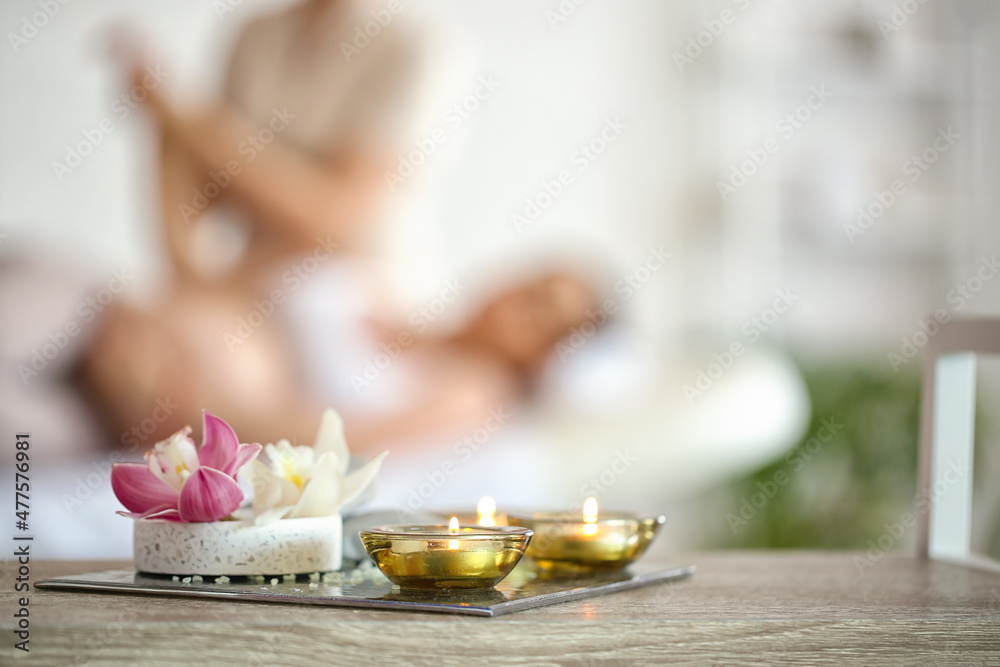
(181, 483)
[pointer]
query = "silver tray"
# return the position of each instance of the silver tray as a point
(368, 589)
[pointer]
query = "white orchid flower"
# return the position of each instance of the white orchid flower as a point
(173, 460)
(300, 481)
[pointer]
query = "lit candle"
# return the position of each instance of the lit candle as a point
(590, 516)
(453, 530)
(487, 508)
(437, 557)
(577, 542)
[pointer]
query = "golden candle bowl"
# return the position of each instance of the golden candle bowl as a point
(434, 557)
(569, 543)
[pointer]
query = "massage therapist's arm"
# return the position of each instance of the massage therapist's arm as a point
(295, 192)
(180, 174)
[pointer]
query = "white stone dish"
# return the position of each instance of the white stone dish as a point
(238, 548)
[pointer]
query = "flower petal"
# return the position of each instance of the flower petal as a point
(330, 438)
(170, 514)
(218, 442)
(168, 458)
(139, 490)
(265, 483)
(358, 481)
(290, 492)
(321, 497)
(186, 449)
(165, 514)
(244, 454)
(209, 495)
(272, 515)
(269, 459)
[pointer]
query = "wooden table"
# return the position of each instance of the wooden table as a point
(740, 608)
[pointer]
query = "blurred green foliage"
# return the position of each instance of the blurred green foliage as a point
(838, 493)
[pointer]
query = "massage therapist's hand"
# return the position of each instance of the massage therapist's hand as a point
(144, 72)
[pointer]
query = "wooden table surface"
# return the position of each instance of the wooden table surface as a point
(751, 608)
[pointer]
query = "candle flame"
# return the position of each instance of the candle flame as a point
(453, 529)
(590, 516)
(486, 508)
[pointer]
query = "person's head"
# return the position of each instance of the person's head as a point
(524, 323)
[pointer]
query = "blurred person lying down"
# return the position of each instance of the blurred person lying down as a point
(326, 126)
(307, 204)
